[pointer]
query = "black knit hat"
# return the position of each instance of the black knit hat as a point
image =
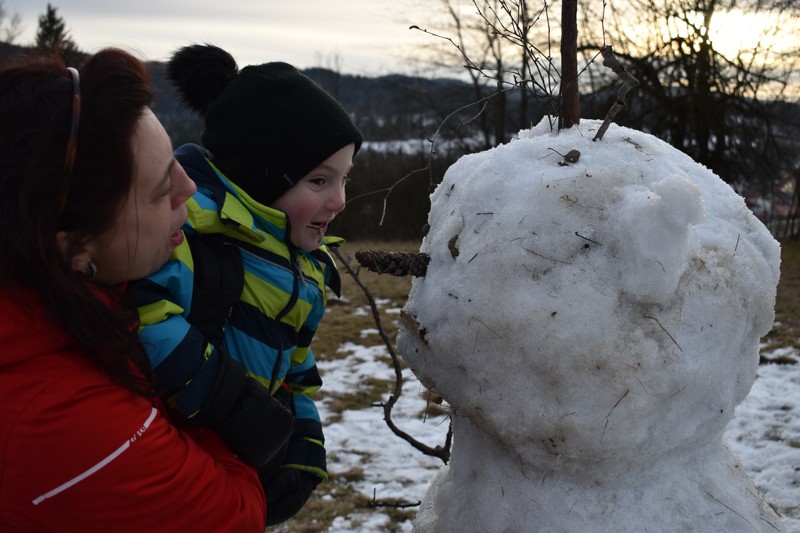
(266, 126)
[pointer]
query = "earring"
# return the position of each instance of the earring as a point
(91, 269)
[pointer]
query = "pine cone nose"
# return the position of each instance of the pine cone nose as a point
(394, 263)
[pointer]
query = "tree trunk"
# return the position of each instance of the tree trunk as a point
(569, 95)
(524, 24)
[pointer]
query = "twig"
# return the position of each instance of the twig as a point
(628, 83)
(665, 331)
(482, 323)
(731, 510)
(442, 452)
(396, 505)
(609, 414)
(616, 404)
(433, 139)
(587, 239)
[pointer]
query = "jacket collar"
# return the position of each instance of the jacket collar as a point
(234, 208)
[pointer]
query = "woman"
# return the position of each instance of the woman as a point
(90, 198)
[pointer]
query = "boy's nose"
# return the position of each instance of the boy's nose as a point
(336, 200)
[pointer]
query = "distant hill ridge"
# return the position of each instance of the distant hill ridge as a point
(388, 107)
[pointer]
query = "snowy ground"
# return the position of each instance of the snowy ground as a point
(765, 434)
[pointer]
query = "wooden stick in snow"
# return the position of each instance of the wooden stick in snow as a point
(628, 83)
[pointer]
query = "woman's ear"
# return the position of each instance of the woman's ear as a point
(81, 257)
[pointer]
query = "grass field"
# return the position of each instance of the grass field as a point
(343, 323)
(786, 331)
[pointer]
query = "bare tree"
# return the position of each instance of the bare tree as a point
(500, 47)
(10, 25)
(724, 106)
(466, 47)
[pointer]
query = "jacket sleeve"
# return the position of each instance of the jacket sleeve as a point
(185, 365)
(202, 382)
(106, 459)
(306, 449)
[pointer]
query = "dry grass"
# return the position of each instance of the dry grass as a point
(787, 306)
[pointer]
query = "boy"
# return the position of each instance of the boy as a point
(228, 321)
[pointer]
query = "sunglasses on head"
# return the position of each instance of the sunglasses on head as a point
(72, 143)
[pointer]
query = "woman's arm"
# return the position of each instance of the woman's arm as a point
(86, 453)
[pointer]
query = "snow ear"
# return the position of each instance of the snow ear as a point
(654, 236)
(200, 73)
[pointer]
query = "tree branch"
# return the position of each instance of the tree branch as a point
(628, 83)
(442, 452)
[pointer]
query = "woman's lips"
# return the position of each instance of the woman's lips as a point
(176, 238)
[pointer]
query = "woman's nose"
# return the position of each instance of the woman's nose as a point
(184, 187)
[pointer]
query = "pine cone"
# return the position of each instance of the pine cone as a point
(394, 263)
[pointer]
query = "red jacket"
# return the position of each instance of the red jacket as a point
(79, 453)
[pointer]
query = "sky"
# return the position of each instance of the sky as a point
(357, 36)
(367, 37)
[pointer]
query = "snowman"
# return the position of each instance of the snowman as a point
(592, 313)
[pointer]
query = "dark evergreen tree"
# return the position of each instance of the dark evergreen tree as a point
(52, 36)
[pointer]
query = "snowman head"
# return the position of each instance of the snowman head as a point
(605, 310)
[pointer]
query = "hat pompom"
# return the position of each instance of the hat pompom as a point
(200, 73)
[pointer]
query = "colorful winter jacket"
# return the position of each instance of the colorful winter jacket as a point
(81, 453)
(269, 331)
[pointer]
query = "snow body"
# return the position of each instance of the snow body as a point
(593, 325)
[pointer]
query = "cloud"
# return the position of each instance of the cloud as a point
(366, 37)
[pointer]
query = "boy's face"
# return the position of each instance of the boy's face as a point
(313, 202)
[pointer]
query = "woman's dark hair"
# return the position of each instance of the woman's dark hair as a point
(36, 96)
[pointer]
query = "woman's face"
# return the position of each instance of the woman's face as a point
(313, 202)
(148, 227)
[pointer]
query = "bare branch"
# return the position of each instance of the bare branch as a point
(394, 505)
(665, 331)
(628, 83)
(431, 152)
(442, 452)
